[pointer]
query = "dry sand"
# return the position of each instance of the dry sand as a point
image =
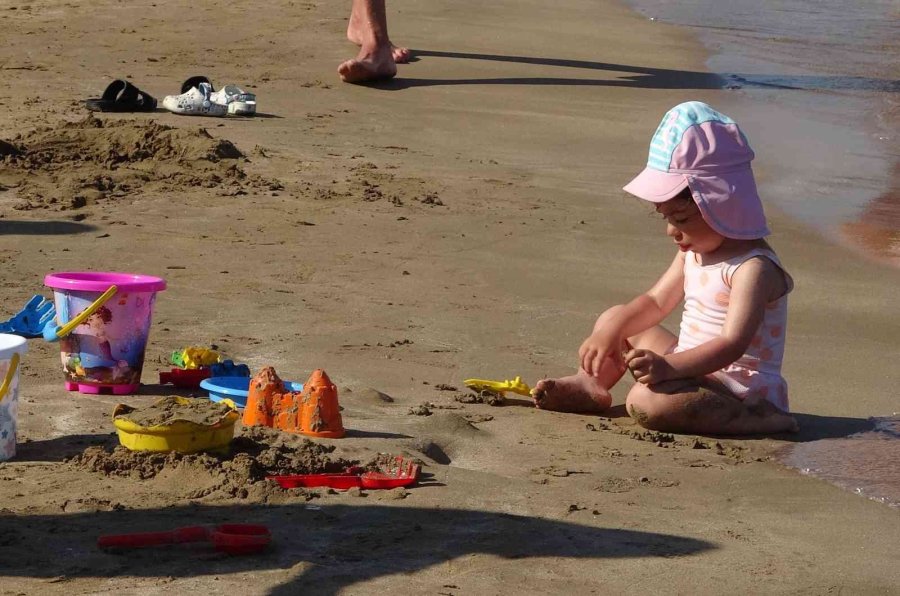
(462, 221)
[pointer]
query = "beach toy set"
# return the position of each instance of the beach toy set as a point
(101, 321)
(189, 425)
(310, 409)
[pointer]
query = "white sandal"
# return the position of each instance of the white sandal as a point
(239, 102)
(195, 101)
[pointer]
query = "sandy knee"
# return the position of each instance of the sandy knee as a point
(644, 406)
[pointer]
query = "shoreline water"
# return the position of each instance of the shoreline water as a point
(864, 463)
(828, 95)
(792, 86)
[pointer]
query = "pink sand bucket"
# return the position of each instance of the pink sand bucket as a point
(104, 323)
(12, 348)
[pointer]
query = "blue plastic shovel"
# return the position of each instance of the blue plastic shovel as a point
(31, 320)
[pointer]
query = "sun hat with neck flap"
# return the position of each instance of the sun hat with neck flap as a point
(699, 148)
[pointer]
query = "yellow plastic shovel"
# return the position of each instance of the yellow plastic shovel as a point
(516, 386)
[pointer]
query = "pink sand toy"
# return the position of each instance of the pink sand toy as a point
(104, 322)
(12, 348)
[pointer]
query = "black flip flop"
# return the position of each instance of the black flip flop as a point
(122, 96)
(195, 82)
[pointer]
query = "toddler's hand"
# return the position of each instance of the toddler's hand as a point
(597, 348)
(648, 367)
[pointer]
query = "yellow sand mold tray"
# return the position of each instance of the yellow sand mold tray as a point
(176, 424)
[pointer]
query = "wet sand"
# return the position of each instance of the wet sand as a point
(877, 230)
(462, 221)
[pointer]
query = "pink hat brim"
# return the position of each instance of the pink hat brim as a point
(655, 186)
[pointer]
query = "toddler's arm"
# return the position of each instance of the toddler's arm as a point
(755, 283)
(623, 321)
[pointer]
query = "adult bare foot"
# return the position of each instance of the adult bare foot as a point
(401, 54)
(355, 34)
(575, 393)
(370, 65)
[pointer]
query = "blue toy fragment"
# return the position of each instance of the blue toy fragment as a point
(32, 321)
(229, 369)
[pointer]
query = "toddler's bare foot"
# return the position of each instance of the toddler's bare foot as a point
(576, 393)
(772, 417)
(771, 421)
(369, 65)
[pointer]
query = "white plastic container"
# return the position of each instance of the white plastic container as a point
(12, 349)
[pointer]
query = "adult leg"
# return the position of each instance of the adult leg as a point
(356, 33)
(688, 407)
(582, 392)
(375, 60)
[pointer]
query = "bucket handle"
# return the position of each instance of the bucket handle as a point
(83, 315)
(13, 366)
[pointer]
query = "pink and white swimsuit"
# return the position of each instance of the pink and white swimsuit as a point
(707, 291)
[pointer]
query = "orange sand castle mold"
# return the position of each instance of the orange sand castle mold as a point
(314, 411)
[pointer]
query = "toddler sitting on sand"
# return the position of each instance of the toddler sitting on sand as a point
(722, 373)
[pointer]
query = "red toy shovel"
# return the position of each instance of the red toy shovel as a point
(402, 473)
(233, 539)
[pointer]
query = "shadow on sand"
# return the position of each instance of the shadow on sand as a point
(61, 448)
(814, 427)
(42, 228)
(638, 77)
(332, 546)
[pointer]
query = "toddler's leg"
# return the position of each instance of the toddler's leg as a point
(686, 407)
(583, 393)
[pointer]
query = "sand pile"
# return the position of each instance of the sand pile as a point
(74, 164)
(255, 454)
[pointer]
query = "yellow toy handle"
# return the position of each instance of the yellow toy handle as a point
(13, 365)
(83, 315)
